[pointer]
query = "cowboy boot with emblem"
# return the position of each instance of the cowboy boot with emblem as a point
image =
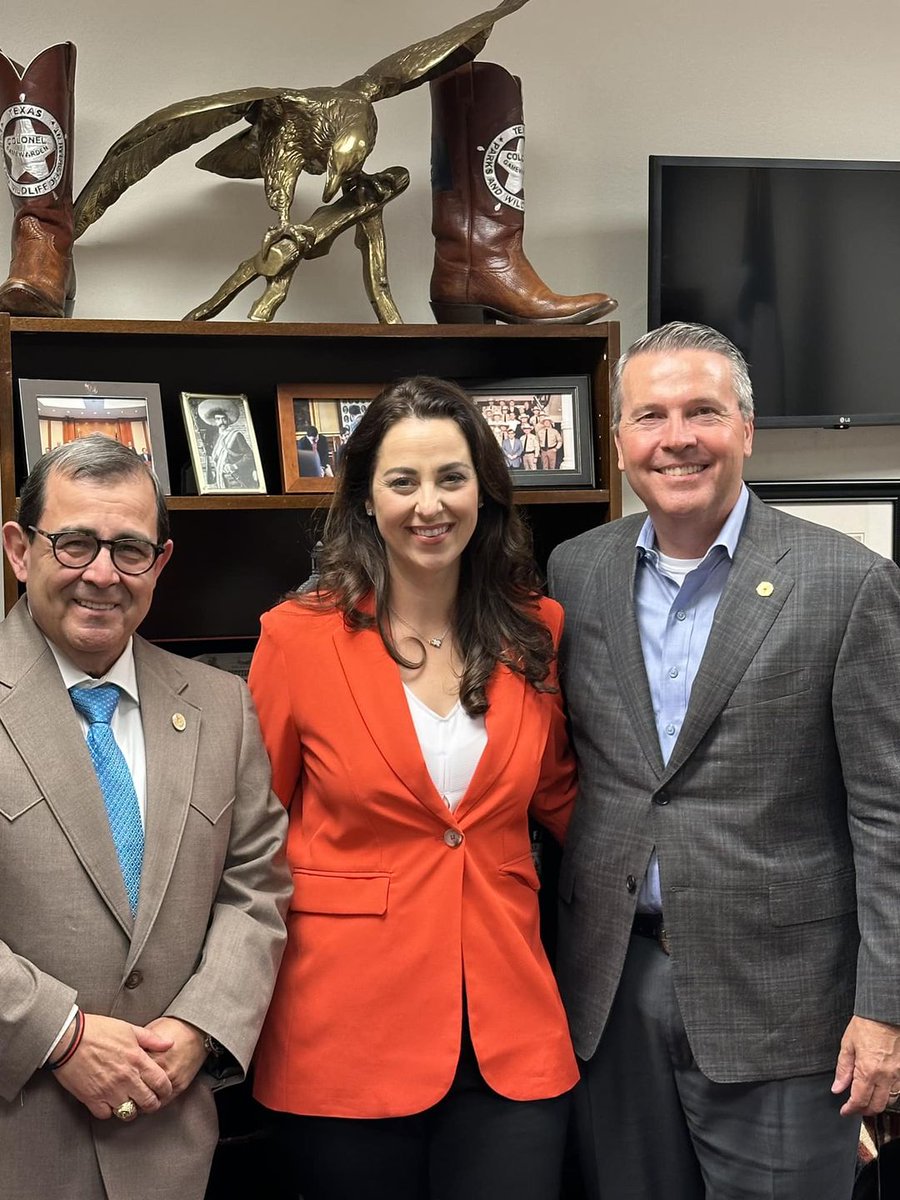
(480, 272)
(36, 132)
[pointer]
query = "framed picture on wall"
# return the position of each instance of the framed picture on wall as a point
(314, 422)
(543, 427)
(55, 411)
(867, 510)
(222, 442)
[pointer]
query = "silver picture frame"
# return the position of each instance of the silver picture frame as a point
(55, 411)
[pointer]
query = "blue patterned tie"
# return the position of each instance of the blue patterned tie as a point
(98, 705)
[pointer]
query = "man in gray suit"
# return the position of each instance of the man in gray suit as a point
(730, 890)
(142, 884)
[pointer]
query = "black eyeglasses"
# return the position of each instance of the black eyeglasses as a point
(75, 550)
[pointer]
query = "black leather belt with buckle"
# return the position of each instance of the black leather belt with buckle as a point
(650, 925)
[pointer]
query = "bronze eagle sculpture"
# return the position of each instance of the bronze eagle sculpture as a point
(326, 131)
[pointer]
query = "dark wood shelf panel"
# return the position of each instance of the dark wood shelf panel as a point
(298, 500)
(529, 496)
(75, 327)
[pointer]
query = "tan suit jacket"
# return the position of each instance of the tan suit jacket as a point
(205, 943)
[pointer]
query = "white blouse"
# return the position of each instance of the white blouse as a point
(451, 746)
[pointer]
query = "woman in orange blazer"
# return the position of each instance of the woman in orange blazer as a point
(416, 1046)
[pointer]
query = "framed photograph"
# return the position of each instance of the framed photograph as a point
(543, 427)
(55, 411)
(865, 509)
(224, 453)
(314, 421)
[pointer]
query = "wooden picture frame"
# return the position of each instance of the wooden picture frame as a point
(55, 411)
(311, 460)
(222, 442)
(557, 409)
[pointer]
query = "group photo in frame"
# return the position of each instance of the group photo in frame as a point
(314, 422)
(867, 510)
(56, 411)
(543, 427)
(222, 443)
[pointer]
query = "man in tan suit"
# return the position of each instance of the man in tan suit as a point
(141, 883)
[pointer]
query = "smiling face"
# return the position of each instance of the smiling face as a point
(682, 443)
(88, 613)
(424, 494)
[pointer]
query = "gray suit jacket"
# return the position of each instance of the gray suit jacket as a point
(777, 817)
(207, 938)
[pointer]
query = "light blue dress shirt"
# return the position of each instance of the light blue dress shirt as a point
(674, 619)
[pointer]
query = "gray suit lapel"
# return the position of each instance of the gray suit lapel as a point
(615, 590)
(754, 595)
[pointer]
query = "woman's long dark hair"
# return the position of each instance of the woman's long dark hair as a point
(496, 611)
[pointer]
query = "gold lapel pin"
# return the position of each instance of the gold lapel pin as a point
(765, 588)
(179, 722)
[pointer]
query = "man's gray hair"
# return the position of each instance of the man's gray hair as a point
(681, 335)
(95, 457)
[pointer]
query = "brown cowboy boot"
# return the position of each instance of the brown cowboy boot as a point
(480, 272)
(37, 109)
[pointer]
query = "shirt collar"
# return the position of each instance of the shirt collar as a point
(122, 673)
(727, 536)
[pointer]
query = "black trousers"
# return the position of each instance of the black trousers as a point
(472, 1145)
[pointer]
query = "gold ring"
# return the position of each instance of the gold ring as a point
(126, 1111)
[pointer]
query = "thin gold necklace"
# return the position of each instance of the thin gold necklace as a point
(437, 642)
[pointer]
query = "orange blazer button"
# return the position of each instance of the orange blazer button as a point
(453, 838)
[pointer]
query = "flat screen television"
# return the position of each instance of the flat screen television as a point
(798, 262)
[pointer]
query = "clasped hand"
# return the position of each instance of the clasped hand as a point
(117, 1061)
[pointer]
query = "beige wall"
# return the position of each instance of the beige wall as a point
(605, 86)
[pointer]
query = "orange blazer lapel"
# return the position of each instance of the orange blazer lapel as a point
(374, 681)
(503, 721)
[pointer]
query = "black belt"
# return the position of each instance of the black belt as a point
(650, 925)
